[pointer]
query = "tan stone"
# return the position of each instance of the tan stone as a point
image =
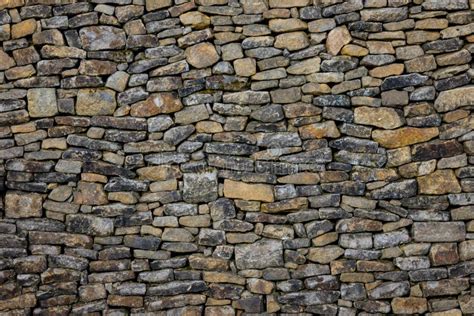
(248, 191)
(300, 178)
(452, 99)
(23, 301)
(305, 67)
(223, 277)
(245, 67)
(421, 64)
(439, 182)
(100, 101)
(290, 205)
(196, 19)
(379, 47)
(325, 255)
(24, 28)
(89, 193)
(387, 70)
(209, 127)
(159, 173)
(42, 102)
(409, 305)
(23, 205)
(320, 130)
(260, 286)
(337, 38)
(158, 4)
(387, 118)
(354, 50)
(316, 88)
(404, 136)
(202, 55)
(6, 61)
(158, 103)
(292, 41)
(288, 3)
(287, 25)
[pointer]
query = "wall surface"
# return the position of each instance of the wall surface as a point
(236, 157)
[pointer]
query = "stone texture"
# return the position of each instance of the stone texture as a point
(224, 157)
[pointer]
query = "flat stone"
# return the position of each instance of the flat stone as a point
(386, 118)
(439, 231)
(404, 136)
(248, 191)
(452, 99)
(292, 41)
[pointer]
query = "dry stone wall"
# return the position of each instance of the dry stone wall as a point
(236, 157)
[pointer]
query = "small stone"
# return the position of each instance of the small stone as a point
(201, 55)
(337, 38)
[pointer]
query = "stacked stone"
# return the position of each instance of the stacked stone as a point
(236, 157)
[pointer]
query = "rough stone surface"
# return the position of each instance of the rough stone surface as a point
(236, 157)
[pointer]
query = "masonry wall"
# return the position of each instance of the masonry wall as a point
(236, 157)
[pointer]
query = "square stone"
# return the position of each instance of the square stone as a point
(200, 187)
(42, 102)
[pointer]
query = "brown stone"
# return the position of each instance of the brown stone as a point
(382, 117)
(439, 182)
(22, 205)
(409, 305)
(320, 130)
(24, 28)
(159, 103)
(202, 55)
(248, 191)
(88, 193)
(93, 102)
(404, 136)
(337, 38)
(292, 41)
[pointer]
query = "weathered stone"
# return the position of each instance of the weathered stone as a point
(42, 102)
(439, 182)
(95, 102)
(262, 254)
(202, 55)
(404, 136)
(337, 38)
(102, 38)
(439, 231)
(23, 205)
(452, 99)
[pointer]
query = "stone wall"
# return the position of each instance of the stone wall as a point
(236, 157)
